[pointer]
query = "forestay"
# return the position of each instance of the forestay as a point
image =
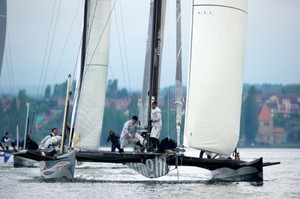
(89, 114)
(3, 19)
(215, 75)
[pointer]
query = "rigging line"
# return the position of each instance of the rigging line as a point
(112, 74)
(10, 68)
(122, 62)
(167, 43)
(10, 87)
(51, 47)
(76, 67)
(168, 112)
(2, 93)
(59, 62)
(173, 128)
(125, 47)
(45, 53)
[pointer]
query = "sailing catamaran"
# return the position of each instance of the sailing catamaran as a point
(213, 100)
(28, 143)
(88, 110)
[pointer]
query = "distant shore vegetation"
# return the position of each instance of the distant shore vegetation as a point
(46, 111)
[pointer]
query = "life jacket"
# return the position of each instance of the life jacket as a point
(167, 143)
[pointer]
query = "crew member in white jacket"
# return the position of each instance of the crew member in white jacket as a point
(53, 133)
(52, 145)
(156, 124)
(128, 134)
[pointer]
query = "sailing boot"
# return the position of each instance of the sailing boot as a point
(155, 143)
(201, 154)
(141, 146)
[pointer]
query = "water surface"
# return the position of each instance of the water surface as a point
(103, 180)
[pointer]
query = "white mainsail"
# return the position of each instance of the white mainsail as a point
(89, 114)
(3, 18)
(215, 78)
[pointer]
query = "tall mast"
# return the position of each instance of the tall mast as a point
(66, 110)
(17, 132)
(178, 83)
(155, 53)
(157, 34)
(84, 36)
(81, 70)
(26, 125)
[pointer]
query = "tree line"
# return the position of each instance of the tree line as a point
(47, 112)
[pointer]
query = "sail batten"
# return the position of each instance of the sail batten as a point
(215, 75)
(90, 109)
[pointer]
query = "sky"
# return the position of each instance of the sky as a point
(36, 53)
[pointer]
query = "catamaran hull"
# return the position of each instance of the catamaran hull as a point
(61, 168)
(152, 165)
(151, 168)
(251, 172)
(24, 162)
(156, 165)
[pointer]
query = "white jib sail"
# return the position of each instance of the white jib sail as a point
(215, 78)
(89, 118)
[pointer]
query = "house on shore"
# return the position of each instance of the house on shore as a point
(267, 133)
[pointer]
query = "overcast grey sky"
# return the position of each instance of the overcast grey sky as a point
(272, 52)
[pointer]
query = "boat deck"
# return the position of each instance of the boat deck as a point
(171, 158)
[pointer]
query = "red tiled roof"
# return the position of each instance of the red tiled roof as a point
(120, 104)
(265, 114)
(278, 130)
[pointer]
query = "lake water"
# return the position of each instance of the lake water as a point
(98, 180)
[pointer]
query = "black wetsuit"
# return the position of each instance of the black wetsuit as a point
(114, 142)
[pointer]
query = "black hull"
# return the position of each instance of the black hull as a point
(24, 162)
(243, 171)
(236, 170)
(222, 169)
(33, 155)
